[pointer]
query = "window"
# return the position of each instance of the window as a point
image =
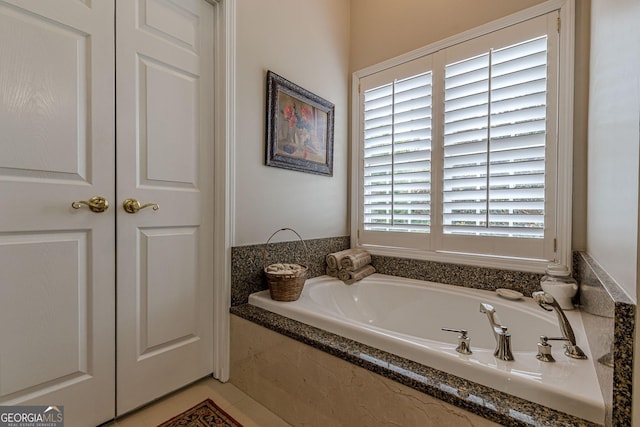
(458, 148)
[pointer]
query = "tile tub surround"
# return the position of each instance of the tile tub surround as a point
(488, 279)
(247, 262)
(609, 317)
(607, 311)
(274, 368)
(309, 387)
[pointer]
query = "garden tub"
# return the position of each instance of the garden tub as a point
(405, 317)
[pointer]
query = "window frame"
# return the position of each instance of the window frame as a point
(418, 246)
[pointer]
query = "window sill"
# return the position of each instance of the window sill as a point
(504, 263)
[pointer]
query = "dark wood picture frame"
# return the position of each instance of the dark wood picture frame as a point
(299, 128)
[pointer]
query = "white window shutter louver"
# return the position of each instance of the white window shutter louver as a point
(397, 155)
(494, 142)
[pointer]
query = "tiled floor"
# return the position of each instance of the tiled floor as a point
(234, 402)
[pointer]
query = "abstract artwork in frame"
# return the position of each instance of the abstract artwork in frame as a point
(299, 128)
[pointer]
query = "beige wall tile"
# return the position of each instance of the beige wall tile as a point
(307, 387)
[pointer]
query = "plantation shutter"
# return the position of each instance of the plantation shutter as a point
(458, 148)
(397, 155)
(495, 142)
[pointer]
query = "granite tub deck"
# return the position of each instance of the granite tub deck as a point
(609, 315)
(496, 406)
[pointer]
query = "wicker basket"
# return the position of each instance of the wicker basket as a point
(285, 287)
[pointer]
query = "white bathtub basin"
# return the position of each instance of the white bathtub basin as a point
(405, 317)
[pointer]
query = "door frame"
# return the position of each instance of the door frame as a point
(224, 189)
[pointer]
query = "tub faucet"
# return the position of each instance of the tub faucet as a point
(571, 349)
(501, 334)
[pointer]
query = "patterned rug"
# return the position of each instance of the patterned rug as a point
(204, 414)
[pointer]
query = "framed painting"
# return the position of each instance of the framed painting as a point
(299, 128)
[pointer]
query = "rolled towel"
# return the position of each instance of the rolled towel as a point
(344, 275)
(333, 259)
(355, 260)
(350, 277)
(333, 272)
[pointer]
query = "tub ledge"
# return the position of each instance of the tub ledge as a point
(478, 399)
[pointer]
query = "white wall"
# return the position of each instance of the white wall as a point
(614, 140)
(614, 137)
(306, 42)
(380, 32)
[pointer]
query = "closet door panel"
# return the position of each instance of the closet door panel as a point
(164, 155)
(169, 148)
(57, 263)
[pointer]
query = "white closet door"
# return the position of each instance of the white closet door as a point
(57, 287)
(165, 52)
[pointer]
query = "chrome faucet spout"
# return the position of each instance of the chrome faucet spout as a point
(548, 303)
(500, 333)
(491, 315)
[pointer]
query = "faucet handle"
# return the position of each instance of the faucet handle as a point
(544, 350)
(463, 340)
(460, 331)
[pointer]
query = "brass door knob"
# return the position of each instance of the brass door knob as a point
(132, 206)
(96, 204)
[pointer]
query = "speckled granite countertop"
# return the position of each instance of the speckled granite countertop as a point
(491, 404)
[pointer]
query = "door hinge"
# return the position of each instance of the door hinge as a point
(555, 245)
(558, 24)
